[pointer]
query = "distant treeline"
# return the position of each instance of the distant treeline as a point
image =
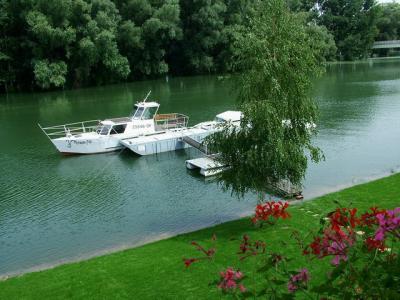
(73, 43)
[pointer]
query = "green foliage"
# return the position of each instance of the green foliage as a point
(104, 41)
(389, 22)
(323, 42)
(352, 23)
(50, 74)
(204, 22)
(278, 60)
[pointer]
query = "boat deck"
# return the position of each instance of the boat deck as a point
(169, 140)
(163, 136)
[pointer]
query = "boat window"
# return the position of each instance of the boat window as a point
(104, 129)
(149, 113)
(117, 129)
(138, 113)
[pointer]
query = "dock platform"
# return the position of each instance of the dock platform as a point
(207, 165)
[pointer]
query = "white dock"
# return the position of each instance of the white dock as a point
(207, 165)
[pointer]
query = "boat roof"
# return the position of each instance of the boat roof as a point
(116, 121)
(230, 115)
(147, 104)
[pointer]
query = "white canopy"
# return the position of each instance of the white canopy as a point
(230, 115)
(147, 104)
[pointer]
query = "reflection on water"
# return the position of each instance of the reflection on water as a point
(55, 208)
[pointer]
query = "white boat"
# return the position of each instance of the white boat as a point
(97, 136)
(180, 138)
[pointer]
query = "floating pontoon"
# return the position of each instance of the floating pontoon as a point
(180, 138)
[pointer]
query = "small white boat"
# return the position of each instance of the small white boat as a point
(97, 136)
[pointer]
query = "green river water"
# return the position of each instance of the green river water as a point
(55, 209)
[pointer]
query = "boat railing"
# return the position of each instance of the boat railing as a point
(170, 121)
(70, 129)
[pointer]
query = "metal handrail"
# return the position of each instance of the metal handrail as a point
(70, 128)
(386, 42)
(170, 121)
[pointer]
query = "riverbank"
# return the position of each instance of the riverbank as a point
(156, 270)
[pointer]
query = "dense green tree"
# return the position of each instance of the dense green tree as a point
(50, 36)
(150, 29)
(323, 42)
(51, 44)
(210, 28)
(5, 71)
(352, 23)
(97, 59)
(278, 60)
(50, 74)
(389, 22)
(203, 22)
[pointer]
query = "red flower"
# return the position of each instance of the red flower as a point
(344, 217)
(250, 249)
(332, 243)
(189, 261)
(372, 244)
(208, 254)
(271, 209)
(369, 218)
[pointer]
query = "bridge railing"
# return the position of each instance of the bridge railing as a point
(386, 44)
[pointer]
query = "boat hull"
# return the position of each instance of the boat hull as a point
(68, 146)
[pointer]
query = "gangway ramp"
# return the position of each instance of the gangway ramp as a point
(195, 144)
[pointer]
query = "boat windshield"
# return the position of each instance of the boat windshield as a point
(145, 113)
(103, 130)
(118, 129)
(149, 113)
(138, 113)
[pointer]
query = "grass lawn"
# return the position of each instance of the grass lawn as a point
(156, 270)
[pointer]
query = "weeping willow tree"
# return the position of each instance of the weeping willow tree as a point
(277, 59)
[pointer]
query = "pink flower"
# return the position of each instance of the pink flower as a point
(335, 243)
(388, 222)
(238, 275)
(298, 280)
(292, 287)
(229, 280)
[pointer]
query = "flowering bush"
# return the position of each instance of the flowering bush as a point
(357, 246)
(271, 211)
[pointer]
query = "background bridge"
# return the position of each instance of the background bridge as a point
(386, 44)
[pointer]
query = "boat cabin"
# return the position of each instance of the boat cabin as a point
(229, 116)
(145, 110)
(113, 126)
(141, 119)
